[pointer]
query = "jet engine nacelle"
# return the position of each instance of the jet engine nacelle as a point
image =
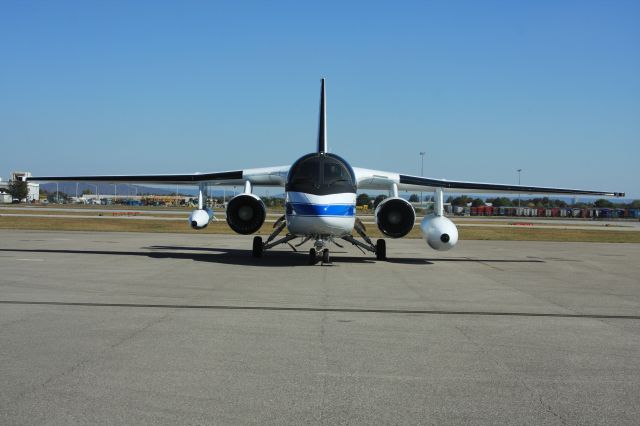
(246, 213)
(200, 218)
(439, 232)
(395, 217)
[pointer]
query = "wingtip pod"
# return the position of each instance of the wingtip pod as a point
(439, 232)
(322, 126)
(200, 218)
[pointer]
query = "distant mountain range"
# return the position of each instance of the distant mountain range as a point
(69, 188)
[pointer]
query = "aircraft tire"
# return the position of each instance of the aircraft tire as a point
(325, 256)
(312, 256)
(257, 247)
(381, 249)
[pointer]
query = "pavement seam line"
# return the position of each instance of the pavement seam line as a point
(320, 309)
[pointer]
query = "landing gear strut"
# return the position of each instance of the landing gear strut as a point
(379, 248)
(259, 247)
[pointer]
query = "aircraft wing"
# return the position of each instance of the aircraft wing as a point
(375, 179)
(269, 176)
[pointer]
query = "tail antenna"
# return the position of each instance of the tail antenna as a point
(322, 127)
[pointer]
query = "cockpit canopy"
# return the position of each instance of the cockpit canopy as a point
(321, 174)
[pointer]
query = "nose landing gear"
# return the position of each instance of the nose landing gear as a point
(319, 249)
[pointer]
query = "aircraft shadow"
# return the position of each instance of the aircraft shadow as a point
(221, 256)
(230, 256)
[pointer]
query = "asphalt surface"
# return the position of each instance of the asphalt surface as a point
(129, 328)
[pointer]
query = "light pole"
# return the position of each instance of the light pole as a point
(97, 195)
(519, 171)
(421, 172)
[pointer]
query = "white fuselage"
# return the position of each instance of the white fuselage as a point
(322, 215)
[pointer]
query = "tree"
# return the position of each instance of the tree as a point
(87, 191)
(477, 202)
(635, 204)
(363, 200)
(461, 201)
(18, 189)
(603, 203)
(413, 198)
(499, 202)
(378, 200)
(542, 202)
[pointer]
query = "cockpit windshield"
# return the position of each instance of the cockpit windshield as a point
(321, 174)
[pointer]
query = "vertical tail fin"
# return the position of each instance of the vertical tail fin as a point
(322, 127)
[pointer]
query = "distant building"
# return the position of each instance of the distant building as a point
(34, 188)
(4, 196)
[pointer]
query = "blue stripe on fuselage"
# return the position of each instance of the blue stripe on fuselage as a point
(304, 209)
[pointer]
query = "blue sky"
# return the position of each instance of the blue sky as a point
(484, 87)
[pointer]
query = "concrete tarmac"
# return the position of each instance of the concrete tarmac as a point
(131, 328)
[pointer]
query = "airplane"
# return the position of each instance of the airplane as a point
(320, 200)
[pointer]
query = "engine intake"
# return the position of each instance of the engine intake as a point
(395, 217)
(439, 232)
(200, 218)
(246, 213)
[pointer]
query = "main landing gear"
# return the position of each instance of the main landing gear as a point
(319, 251)
(379, 248)
(259, 247)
